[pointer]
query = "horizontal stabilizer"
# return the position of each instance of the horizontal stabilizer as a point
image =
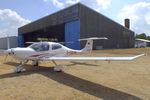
(94, 38)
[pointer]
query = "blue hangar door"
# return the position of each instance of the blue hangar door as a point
(72, 34)
(21, 41)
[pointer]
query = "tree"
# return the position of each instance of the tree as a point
(141, 36)
(148, 37)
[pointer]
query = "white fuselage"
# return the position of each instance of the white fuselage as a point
(41, 49)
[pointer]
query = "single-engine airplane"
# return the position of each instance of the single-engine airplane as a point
(52, 51)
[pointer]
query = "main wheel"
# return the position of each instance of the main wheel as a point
(58, 68)
(35, 63)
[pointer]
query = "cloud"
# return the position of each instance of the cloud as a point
(96, 4)
(147, 18)
(139, 15)
(104, 3)
(58, 3)
(9, 22)
(70, 2)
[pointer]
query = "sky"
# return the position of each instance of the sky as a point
(16, 13)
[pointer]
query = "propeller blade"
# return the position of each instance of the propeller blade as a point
(6, 58)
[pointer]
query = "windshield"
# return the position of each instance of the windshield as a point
(40, 46)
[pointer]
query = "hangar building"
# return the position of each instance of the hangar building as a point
(75, 22)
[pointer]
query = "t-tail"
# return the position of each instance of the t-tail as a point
(89, 43)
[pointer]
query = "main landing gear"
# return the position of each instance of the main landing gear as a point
(58, 68)
(35, 63)
(20, 68)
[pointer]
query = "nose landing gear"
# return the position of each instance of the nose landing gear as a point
(20, 67)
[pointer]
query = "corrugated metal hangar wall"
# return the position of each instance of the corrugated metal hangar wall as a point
(73, 23)
(13, 42)
(95, 24)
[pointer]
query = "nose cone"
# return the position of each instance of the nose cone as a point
(21, 53)
(9, 51)
(6, 52)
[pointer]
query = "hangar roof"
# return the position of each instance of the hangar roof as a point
(143, 40)
(60, 17)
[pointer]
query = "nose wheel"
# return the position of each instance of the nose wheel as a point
(20, 67)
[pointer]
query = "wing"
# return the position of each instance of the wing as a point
(91, 58)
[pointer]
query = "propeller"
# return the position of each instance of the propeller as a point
(6, 53)
(5, 58)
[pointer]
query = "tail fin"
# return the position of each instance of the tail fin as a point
(89, 43)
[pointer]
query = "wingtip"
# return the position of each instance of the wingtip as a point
(137, 56)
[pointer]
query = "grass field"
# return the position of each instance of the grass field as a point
(92, 80)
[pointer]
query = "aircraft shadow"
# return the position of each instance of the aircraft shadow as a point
(83, 85)
(81, 63)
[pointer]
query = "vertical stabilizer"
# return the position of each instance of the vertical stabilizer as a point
(89, 43)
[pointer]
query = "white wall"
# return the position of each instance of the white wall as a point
(139, 44)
